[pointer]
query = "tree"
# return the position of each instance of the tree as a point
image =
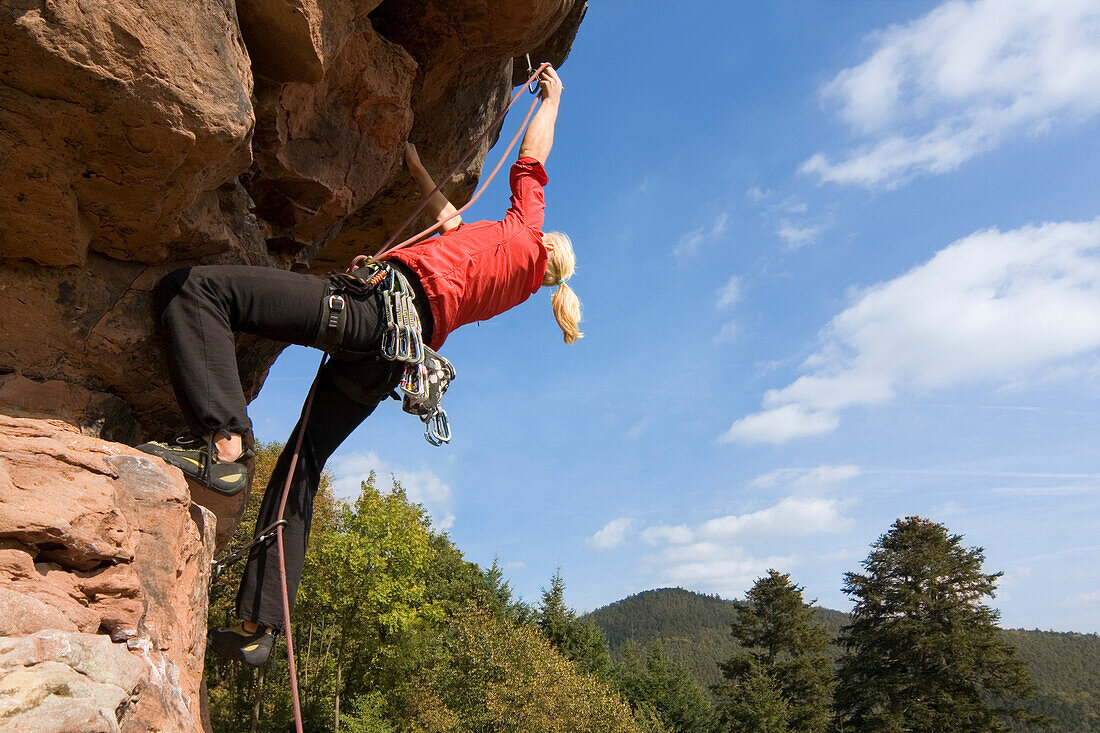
(498, 597)
(785, 646)
(754, 705)
(922, 652)
(497, 676)
(654, 682)
(581, 642)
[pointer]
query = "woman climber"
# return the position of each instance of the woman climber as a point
(471, 272)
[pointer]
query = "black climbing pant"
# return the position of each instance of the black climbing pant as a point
(200, 309)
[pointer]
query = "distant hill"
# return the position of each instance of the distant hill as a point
(695, 630)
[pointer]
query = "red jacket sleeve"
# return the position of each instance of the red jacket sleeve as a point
(527, 203)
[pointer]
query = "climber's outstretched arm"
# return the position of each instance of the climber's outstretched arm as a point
(539, 137)
(439, 208)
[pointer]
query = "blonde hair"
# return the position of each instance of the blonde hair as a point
(561, 263)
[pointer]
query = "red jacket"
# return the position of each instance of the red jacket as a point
(483, 268)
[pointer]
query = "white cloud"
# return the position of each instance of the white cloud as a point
(422, 486)
(796, 236)
(677, 535)
(1065, 490)
(947, 509)
(689, 244)
(961, 80)
(780, 425)
(991, 306)
(514, 565)
(728, 571)
(841, 555)
(728, 333)
(806, 479)
(758, 194)
(731, 293)
(612, 535)
(793, 516)
(637, 429)
(711, 556)
(1083, 599)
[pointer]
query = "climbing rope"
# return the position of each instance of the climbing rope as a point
(387, 247)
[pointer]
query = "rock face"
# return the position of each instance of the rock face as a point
(138, 137)
(104, 568)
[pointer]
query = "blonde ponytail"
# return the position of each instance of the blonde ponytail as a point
(561, 262)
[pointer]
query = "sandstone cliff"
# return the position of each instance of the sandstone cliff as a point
(137, 137)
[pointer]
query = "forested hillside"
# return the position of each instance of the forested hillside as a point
(695, 629)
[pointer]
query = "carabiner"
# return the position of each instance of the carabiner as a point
(389, 344)
(533, 85)
(437, 429)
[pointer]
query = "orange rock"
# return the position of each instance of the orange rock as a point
(97, 538)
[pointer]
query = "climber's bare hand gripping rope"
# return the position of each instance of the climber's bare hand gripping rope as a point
(372, 323)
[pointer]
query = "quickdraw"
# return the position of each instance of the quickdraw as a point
(424, 385)
(403, 338)
(217, 567)
(427, 373)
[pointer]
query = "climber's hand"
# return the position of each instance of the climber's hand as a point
(550, 85)
(412, 158)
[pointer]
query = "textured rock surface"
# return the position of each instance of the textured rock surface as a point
(134, 141)
(60, 682)
(137, 137)
(102, 546)
(115, 118)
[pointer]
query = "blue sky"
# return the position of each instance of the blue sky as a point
(840, 263)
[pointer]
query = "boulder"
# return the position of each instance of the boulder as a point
(104, 568)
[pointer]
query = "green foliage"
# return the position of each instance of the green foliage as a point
(499, 598)
(580, 641)
(755, 704)
(694, 629)
(503, 677)
(654, 682)
(783, 647)
(922, 652)
(395, 631)
(1065, 668)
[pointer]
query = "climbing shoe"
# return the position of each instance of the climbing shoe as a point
(239, 645)
(198, 459)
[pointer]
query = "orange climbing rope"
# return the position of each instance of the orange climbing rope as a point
(389, 246)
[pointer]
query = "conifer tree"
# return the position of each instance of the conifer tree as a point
(653, 681)
(581, 642)
(784, 644)
(922, 652)
(754, 705)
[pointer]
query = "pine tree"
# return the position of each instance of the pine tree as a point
(754, 705)
(922, 652)
(581, 642)
(782, 643)
(653, 681)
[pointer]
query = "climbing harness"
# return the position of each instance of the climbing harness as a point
(437, 421)
(334, 320)
(217, 567)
